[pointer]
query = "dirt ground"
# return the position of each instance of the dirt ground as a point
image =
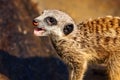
(26, 57)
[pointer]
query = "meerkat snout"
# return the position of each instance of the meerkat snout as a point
(35, 22)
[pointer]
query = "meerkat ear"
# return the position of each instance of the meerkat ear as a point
(68, 29)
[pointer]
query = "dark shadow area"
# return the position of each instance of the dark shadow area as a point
(34, 68)
(96, 72)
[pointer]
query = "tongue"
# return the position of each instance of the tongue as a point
(39, 32)
(38, 29)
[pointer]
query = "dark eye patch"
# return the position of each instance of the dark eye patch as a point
(50, 21)
(68, 29)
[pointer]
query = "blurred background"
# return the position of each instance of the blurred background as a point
(24, 56)
(82, 9)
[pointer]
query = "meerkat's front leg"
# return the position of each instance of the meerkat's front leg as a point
(77, 66)
(79, 70)
(113, 66)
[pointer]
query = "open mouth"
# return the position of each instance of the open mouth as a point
(39, 31)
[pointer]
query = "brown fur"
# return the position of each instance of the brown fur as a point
(96, 40)
(92, 41)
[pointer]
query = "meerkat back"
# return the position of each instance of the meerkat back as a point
(102, 32)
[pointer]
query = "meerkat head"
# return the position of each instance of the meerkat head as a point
(53, 22)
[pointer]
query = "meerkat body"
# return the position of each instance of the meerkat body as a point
(93, 41)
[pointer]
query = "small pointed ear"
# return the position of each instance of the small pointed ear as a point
(68, 29)
(44, 11)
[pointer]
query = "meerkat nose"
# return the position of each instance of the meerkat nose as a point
(35, 22)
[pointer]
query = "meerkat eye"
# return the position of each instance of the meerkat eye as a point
(68, 29)
(51, 21)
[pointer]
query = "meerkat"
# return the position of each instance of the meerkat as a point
(91, 41)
